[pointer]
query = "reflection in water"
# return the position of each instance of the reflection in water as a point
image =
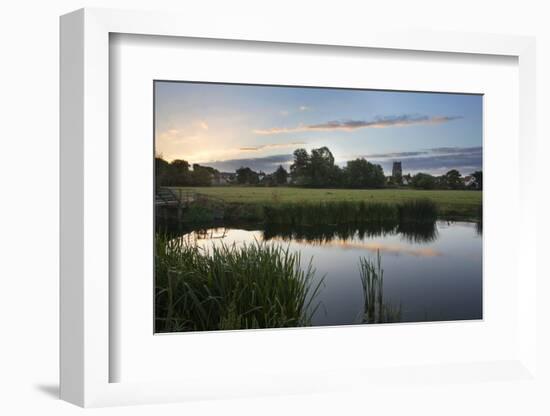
(413, 232)
(430, 272)
(356, 242)
(479, 227)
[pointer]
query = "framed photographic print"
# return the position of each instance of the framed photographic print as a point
(333, 202)
(270, 215)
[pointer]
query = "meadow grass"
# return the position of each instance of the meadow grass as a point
(251, 286)
(449, 203)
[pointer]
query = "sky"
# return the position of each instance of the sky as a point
(227, 126)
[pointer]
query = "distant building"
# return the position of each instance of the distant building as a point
(223, 178)
(267, 180)
(470, 181)
(397, 172)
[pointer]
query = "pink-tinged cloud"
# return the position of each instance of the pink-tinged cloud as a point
(350, 125)
(270, 146)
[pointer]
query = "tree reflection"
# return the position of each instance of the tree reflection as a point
(319, 234)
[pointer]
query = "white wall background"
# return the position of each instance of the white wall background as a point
(29, 57)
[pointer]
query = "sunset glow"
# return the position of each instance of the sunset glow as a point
(227, 126)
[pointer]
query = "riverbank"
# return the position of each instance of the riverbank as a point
(250, 203)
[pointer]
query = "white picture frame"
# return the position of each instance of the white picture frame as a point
(85, 211)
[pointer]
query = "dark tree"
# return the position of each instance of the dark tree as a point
(478, 178)
(280, 175)
(337, 178)
(180, 165)
(246, 176)
(203, 175)
(322, 169)
(453, 179)
(180, 173)
(424, 181)
(177, 173)
(300, 169)
(162, 172)
(360, 173)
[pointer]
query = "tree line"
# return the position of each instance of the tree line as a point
(318, 170)
(315, 169)
(450, 180)
(178, 173)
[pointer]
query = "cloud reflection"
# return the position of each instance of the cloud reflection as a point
(372, 246)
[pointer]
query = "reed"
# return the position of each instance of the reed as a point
(251, 286)
(479, 222)
(375, 309)
(417, 210)
(351, 212)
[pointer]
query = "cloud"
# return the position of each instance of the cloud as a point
(300, 108)
(393, 155)
(182, 135)
(436, 160)
(176, 136)
(430, 151)
(270, 146)
(350, 125)
(453, 150)
(266, 164)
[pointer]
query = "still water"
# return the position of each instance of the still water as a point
(431, 274)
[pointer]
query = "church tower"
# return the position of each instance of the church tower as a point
(397, 172)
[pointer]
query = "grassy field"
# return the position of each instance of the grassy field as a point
(450, 203)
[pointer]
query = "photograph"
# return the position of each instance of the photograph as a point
(281, 206)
